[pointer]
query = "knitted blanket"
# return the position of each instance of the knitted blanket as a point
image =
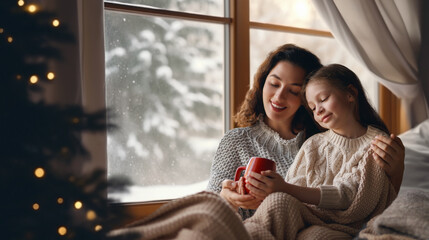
(406, 218)
(202, 216)
(280, 216)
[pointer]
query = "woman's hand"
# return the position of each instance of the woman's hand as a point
(389, 153)
(229, 193)
(260, 185)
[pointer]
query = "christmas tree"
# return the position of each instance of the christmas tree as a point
(40, 198)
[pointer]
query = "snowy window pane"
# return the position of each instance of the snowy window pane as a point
(204, 7)
(295, 13)
(165, 92)
(327, 49)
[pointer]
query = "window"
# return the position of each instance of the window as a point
(165, 91)
(175, 72)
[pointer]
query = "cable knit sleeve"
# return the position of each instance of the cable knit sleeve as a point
(345, 184)
(227, 158)
(298, 170)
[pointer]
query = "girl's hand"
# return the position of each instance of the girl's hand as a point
(229, 193)
(260, 185)
(389, 153)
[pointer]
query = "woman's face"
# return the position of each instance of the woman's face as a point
(281, 94)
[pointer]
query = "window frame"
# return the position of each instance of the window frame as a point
(237, 72)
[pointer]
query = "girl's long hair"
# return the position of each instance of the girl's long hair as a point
(342, 78)
(253, 107)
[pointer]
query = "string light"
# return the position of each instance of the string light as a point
(1, 30)
(18, 77)
(78, 205)
(32, 8)
(21, 3)
(62, 230)
(98, 228)
(91, 215)
(75, 120)
(39, 172)
(50, 75)
(60, 200)
(36, 206)
(55, 22)
(34, 79)
(10, 39)
(64, 150)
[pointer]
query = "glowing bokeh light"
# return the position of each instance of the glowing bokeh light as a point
(36, 206)
(56, 23)
(50, 75)
(34, 79)
(78, 204)
(39, 172)
(21, 3)
(91, 215)
(32, 8)
(62, 230)
(98, 228)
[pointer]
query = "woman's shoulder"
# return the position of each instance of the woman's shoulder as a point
(236, 132)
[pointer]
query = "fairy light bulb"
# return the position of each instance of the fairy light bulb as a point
(55, 22)
(36, 206)
(98, 228)
(1, 30)
(21, 3)
(39, 172)
(78, 205)
(62, 230)
(34, 79)
(60, 200)
(32, 8)
(9, 39)
(50, 76)
(91, 215)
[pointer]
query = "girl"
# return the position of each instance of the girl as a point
(274, 124)
(334, 177)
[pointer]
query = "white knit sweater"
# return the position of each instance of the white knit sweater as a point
(334, 164)
(240, 144)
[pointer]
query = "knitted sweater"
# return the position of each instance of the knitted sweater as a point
(353, 187)
(334, 164)
(281, 216)
(240, 144)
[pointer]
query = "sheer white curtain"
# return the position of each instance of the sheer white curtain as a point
(80, 76)
(386, 37)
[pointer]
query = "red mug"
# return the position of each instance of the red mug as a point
(256, 164)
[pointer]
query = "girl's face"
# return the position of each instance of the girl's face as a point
(281, 94)
(332, 108)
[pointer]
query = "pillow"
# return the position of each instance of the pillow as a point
(416, 142)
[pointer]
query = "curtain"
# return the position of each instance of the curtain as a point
(80, 75)
(386, 37)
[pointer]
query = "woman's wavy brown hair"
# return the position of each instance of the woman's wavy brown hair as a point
(253, 106)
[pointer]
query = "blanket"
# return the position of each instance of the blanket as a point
(280, 216)
(406, 218)
(204, 215)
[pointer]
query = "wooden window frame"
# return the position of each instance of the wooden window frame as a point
(238, 27)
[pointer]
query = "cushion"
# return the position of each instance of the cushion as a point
(416, 142)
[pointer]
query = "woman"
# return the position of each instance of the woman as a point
(274, 124)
